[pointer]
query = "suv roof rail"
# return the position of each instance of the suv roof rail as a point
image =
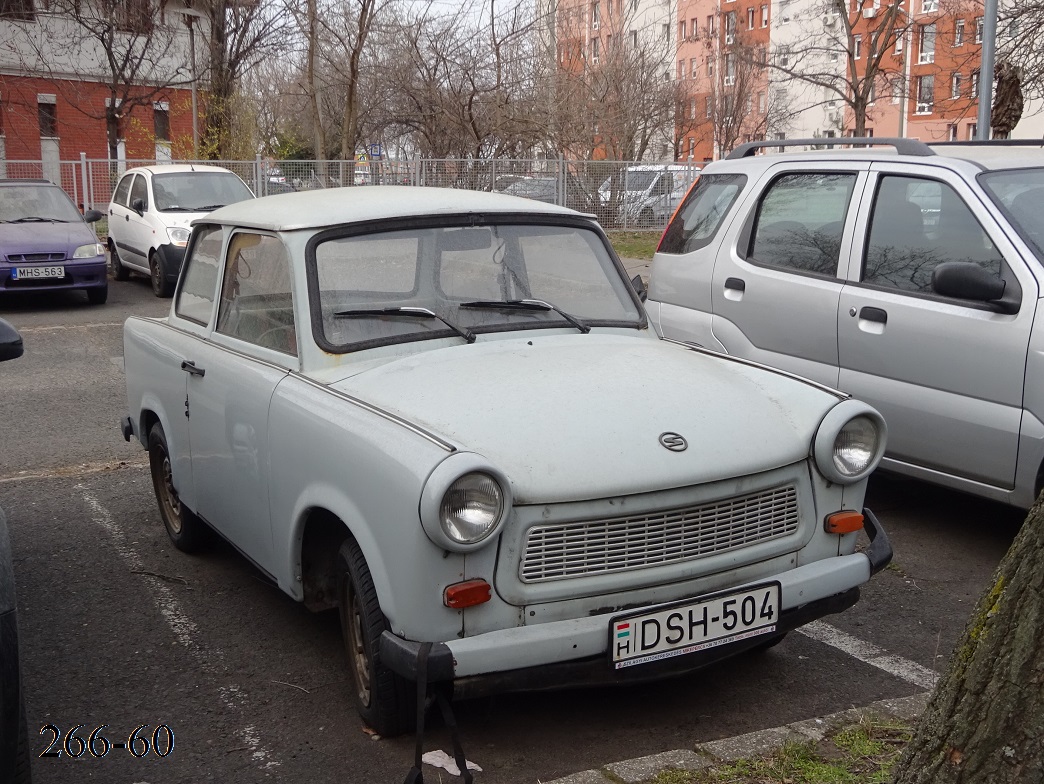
(991, 143)
(902, 146)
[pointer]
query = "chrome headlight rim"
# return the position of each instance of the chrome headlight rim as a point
(830, 429)
(449, 474)
(178, 235)
(89, 251)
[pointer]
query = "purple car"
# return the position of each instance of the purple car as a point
(46, 244)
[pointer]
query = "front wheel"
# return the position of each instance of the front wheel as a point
(161, 287)
(384, 700)
(184, 528)
(119, 272)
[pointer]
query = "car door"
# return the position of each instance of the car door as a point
(251, 349)
(137, 234)
(946, 373)
(120, 230)
(776, 285)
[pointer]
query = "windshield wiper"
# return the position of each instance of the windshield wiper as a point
(204, 208)
(179, 208)
(526, 304)
(37, 219)
(467, 334)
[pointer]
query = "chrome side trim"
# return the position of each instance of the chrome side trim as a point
(434, 439)
(751, 363)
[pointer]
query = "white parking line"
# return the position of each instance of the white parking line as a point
(909, 671)
(184, 628)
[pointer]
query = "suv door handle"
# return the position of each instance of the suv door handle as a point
(191, 369)
(736, 284)
(874, 314)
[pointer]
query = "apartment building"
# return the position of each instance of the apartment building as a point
(58, 89)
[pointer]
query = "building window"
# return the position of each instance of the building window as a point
(709, 106)
(596, 15)
(47, 112)
(783, 57)
(857, 46)
(710, 26)
(730, 27)
(761, 103)
(694, 29)
(681, 31)
(134, 16)
(750, 18)
(665, 31)
(927, 44)
(161, 123)
(951, 132)
(978, 29)
(900, 36)
(710, 65)
(973, 131)
(17, 10)
(955, 86)
(596, 49)
(925, 94)
(692, 109)
(681, 70)
(730, 69)
(692, 147)
(958, 33)
(975, 84)
(634, 39)
(694, 67)
(764, 15)
(929, 6)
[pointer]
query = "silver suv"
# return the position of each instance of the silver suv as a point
(908, 277)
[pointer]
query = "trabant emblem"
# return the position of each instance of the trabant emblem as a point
(674, 442)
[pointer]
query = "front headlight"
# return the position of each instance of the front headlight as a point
(178, 236)
(89, 251)
(471, 508)
(850, 442)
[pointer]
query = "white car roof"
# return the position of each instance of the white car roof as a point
(337, 206)
(180, 168)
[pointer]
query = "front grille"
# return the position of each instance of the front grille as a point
(19, 258)
(555, 552)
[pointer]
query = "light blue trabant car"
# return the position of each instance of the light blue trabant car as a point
(444, 413)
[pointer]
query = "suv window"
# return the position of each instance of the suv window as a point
(123, 190)
(257, 303)
(199, 278)
(139, 191)
(917, 224)
(800, 220)
(1021, 193)
(702, 212)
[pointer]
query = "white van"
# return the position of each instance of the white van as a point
(643, 192)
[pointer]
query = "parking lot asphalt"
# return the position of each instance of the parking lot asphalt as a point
(119, 628)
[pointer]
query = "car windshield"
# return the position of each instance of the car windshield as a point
(36, 203)
(197, 191)
(1020, 193)
(479, 278)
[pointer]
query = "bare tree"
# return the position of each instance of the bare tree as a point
(1020, 25)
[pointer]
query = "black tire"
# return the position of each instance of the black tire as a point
(119, 272)
(161, 287)
(21, 769)
(384, 700)
(98, 295)
(185, 529)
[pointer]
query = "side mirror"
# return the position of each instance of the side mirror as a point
(92, 216)
(10, 342)
(966, 280)
(138, 205)
(639, 287)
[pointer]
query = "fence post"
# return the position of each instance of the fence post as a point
(83, 182)
(561, 180)
(258, 182)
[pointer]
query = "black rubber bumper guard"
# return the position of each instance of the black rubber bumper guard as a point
(401, 656)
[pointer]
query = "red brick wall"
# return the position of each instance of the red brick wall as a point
(81, 127)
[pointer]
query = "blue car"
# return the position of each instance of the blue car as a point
(46, 244)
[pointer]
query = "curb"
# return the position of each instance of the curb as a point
(753, 744)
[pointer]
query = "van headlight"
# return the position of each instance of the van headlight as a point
(464, 503)
(850, 442)
(179, 236)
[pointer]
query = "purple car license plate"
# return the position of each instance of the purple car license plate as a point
(27, 273)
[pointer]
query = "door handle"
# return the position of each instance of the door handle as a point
(191, 369)
(127, 218)
(735, 284)
(874, 314)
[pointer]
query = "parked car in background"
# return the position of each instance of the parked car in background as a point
(909, 277)
(46, 244)
(14, 731)
(543, 189)
(641, 192)
(443, 413)
(150, 213)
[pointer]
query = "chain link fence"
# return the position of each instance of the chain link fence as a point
(621, 194)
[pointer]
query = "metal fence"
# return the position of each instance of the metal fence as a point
(621, 194)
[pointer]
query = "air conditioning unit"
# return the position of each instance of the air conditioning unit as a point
(730, 80)
(829, 20)
(834, 117)
(869, 13)
(923, 108)
(594, 59)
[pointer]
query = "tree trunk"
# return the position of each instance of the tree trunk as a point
(985, 721)
(318, 137)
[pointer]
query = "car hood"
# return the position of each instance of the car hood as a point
(44, 237)
(572, 417)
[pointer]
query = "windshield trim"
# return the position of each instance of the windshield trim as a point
(456, 220)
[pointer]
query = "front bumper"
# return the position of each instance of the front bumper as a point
(79, 274)
(171, 258)
(573, 652)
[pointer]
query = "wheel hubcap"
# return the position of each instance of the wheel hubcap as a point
(360, 660)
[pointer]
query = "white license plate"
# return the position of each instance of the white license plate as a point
(694, 626)
(24, 273)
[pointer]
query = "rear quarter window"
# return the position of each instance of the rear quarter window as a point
(700, 215)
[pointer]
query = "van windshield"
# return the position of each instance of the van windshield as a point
(197, 191)
(1020, 193)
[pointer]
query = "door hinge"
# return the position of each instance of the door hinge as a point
(186, 407)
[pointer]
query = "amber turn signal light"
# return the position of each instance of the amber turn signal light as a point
(466, 594)
(843, 522)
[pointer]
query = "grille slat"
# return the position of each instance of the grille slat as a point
(35, 257)
(555, 552)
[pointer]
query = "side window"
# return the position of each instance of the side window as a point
(257, 303)
(139, 191)
(199, 276)
(120, 196)
(702, 212)
(800, 220)
(917, 224)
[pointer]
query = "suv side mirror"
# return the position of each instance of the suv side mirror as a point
(966, 280)
(138, 205)
(92, 216)
(10, 342)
